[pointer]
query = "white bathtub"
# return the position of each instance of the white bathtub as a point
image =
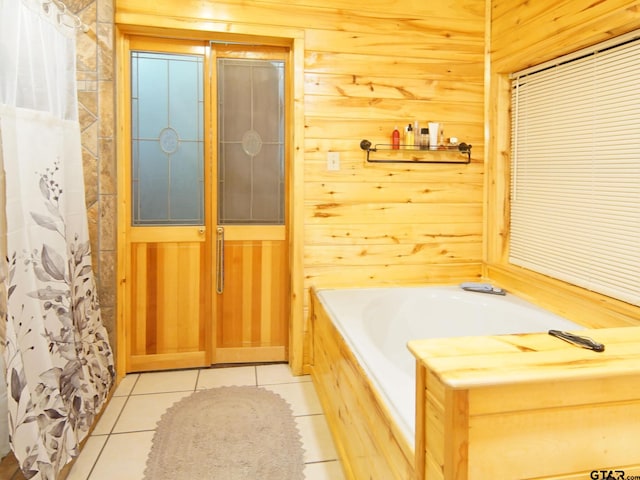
(377, 323)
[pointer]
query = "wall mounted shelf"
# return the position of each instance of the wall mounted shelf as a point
(385, 153)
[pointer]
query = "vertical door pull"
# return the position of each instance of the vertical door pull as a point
(220, 260)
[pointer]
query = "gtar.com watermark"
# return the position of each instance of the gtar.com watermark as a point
(612, 475)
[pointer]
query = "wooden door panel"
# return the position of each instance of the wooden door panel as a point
(166, 290)
(252, 315)
(252, 102)
(166, 188)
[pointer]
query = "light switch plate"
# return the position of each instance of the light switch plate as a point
(333, 161)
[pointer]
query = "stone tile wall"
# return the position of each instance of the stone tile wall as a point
(96, 94)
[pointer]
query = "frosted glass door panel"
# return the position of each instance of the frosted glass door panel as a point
(250, 142)
(167, 139)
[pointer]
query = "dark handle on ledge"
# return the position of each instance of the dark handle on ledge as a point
(584, 342)
(366, 145)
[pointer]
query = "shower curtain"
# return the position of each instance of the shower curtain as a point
(4, 415)
(59, 365)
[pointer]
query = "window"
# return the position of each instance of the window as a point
(575, 173)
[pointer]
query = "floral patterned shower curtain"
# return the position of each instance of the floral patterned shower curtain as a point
(59, 365)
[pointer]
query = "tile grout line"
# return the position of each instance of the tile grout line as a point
(195, 388)
(328, 460)
(309, 415)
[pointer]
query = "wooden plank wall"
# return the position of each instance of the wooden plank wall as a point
(370, 65)
(524, 34)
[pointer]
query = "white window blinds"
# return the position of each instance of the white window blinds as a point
(575, 178)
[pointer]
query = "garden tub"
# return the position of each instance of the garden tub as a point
(373, 326)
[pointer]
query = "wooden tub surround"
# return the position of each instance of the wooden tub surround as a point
(527, 406)
(369, 443)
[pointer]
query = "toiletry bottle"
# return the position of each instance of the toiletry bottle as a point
(434, 129)
(395, 139)
(424, 138)
(408, 136)
(416, 133)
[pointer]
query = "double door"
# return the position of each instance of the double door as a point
(206, 193)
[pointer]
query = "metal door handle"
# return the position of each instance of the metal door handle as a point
(219, 259)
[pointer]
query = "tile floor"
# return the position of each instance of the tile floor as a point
(119, 445)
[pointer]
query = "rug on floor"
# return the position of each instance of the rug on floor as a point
(227, 433)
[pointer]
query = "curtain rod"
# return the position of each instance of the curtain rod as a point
(63, 12)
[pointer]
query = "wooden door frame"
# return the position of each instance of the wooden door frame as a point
(150, 25)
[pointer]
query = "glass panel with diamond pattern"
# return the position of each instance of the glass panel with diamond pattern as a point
(167, 139)
(250, 142)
